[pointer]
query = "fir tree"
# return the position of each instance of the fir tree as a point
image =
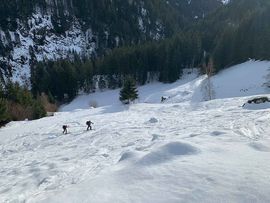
(102, 83)
(129, 92)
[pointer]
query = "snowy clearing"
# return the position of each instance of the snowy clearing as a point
(182, 150)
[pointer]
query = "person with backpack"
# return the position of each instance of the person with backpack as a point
(65, 129)
(88, 123)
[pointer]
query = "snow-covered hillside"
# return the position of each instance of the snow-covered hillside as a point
(37, 37)
(246, 79)
(39, 43)
(183, 150)
(41, 30)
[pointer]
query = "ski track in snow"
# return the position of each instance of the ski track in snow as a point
(179, 151)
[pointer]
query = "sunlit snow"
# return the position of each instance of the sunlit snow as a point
(183, 150)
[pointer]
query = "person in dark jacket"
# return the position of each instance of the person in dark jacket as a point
(65, 129)
(88, 123)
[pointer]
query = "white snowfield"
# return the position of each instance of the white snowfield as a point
(182, 150)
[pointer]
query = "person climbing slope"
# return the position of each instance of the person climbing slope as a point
(88, 123)
(65, 129)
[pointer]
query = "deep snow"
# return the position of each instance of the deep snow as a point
(182, 150)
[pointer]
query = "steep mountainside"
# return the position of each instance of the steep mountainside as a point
(237, 32)
(51, 29)
(230, 35)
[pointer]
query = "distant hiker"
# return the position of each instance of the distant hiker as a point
(163, 99)
(65, 129)
(88, 123)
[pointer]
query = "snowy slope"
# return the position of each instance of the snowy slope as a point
(186, 151)
(246, 79)
(150, 93)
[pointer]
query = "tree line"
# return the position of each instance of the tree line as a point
(229, 36)
(165, 59)
(18, 103)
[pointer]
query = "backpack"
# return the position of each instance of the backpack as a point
(87, 122)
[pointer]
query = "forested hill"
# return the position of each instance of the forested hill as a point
(239, 31)
(60, 47)
(35, 30)
(230, 35)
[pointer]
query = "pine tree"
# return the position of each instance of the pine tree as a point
(102, 83)
(129, 92)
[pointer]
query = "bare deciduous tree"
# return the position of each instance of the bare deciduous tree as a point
(209, 70)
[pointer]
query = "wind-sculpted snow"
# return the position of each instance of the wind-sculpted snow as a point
(127, 156)
(167, 153)
(259, 147)
(210, 151)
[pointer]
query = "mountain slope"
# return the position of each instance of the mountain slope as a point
(190, 88)
(174, 151)
(236, 32)
(36, 30)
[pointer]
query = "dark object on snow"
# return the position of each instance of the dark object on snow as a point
(88, 123)
(258, 100)
(3, 123)
(65, 129)
(163, 99)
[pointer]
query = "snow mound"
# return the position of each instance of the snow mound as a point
(127, 156)
(167, 153)
(155, 137)
(253, 106)
(259, 147)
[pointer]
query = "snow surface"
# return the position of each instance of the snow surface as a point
(225, 1)
(182, 150)
(246, 79)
